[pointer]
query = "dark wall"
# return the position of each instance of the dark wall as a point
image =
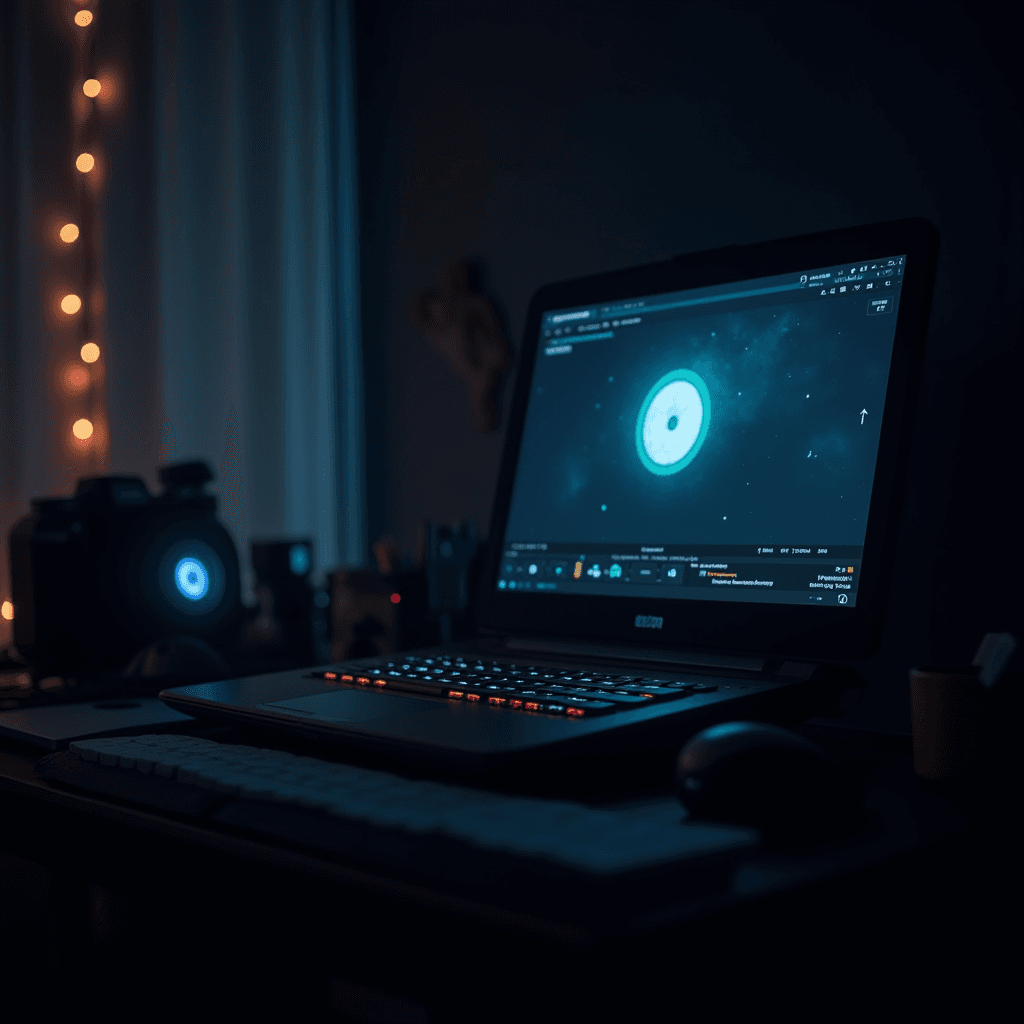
(554, 140)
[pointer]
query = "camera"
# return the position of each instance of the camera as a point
(98, 576)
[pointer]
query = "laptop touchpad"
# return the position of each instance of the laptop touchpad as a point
(353, 706)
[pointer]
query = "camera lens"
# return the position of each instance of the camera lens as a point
(192, 579)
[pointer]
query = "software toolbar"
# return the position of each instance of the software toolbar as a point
(815, 574)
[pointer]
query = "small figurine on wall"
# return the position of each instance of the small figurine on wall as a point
(462, 325)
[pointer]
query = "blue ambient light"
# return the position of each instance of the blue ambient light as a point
(298, 559)
(192, 579)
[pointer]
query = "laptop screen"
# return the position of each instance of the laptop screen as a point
(715, 444)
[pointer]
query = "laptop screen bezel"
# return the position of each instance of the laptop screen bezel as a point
(768, 629)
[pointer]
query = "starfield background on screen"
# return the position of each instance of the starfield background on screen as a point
(712, 444)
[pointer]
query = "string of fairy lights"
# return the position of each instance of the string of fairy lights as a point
(81, 305)
(75, 297)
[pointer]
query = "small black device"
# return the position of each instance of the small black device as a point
(288, 602)
(451, 561)
(98, 576)
(696, 512)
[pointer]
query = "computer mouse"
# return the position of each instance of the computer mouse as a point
(753, 773)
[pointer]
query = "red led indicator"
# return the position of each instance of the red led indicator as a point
(472, 696)
(455, 694)
(515, 703)
(380, 682)
(362, 680)
(496, 700)
(532, 705)
(395, 598)
(330, 675)
(347, 679)
(575, 712)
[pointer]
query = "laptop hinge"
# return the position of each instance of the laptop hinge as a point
(697, 660)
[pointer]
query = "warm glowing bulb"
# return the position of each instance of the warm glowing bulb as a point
(90, 352)
(7, 610)
(82, 429)
(85, 162)
(76, 378)
(91, 87)
(83, 18)
(71, 304)
(69, 233)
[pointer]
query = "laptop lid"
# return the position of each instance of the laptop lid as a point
(707, 453)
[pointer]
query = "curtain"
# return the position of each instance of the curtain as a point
(229, 261)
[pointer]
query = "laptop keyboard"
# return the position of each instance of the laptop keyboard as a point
(532, 689)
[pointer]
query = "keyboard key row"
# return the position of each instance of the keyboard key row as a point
(574, 693)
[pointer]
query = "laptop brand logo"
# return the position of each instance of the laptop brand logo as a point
(648, 622)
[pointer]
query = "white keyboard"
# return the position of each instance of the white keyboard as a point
(598, 841)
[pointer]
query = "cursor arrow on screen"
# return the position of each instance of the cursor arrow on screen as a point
(863, 413)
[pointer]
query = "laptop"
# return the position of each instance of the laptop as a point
(695, 515)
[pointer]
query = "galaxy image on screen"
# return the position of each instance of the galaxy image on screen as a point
(793, 392)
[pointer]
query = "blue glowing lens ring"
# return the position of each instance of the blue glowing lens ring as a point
(191, 579)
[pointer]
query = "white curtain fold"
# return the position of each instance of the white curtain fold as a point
(257, 326)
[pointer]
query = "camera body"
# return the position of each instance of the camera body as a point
(100, 575)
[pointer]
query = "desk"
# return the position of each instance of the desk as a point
(124, 905)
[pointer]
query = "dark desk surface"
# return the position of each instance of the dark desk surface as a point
(115, 902)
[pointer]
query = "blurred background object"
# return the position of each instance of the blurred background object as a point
(451, 566)
(118, 588)
(462, 325)
(100, 575)
(396, 607)
(364, 614)
(290, 623)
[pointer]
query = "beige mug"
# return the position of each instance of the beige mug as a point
(946, 717)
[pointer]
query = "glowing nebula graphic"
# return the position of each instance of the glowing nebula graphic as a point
(673, 422)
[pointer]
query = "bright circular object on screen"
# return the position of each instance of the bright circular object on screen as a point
(191, 579)
(673, 422)
(91, 87)
(85, 162)
(82, 429)
(90, 352)
(83, 18)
